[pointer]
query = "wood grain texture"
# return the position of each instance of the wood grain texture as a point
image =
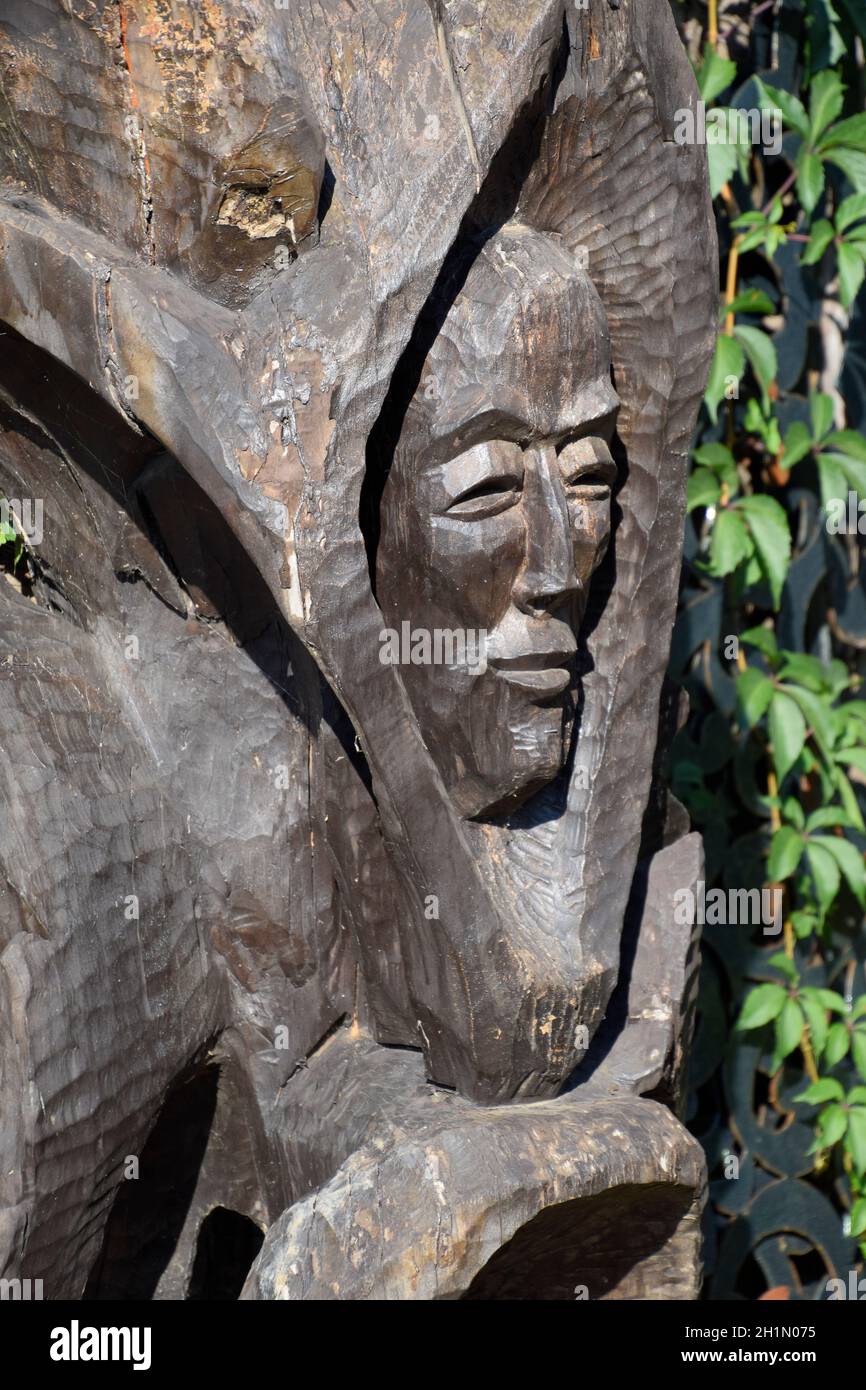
(287, 300)
(605, 1196)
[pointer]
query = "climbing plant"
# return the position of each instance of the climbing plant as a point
(770, 643)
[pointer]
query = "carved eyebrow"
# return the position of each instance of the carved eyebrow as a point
(595, 412)
(487, 428)
(596, 415)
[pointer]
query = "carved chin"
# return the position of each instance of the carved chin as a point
(514, 762)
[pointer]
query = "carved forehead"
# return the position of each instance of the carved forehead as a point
(526, 336)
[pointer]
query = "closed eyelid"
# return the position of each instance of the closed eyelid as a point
(497, 463)
(597, 475)
(587, 458)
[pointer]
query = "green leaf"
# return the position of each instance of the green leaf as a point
(793, 812)
(748, 239)
(820, 1091)
(798, 442)
(728, 364)
(720, 461)
(820, 235)
(852, 163)
(850, 861)
(852, 271)
(850, 133)
(792, 109)
(837, 1044)
(789, 1027)
(826, 95)
(749, 302)
(810, 178)
(762, 357)
(858, 1217)
(722, 162)
(762, 1004)
(829, 999)
(825, 44)
(847, 442)
(850, 211)
(729, 543)
(832, 1124)
(715, 456)
(849, 800)
(783, 963)
(766, 427)
(821, 412)
(827, 815)
(754, 693)
(825, 873)
(785, 851)
(818, 713)
(852, 471)
(858, 1051)
(852, 757)
(855, 1139)
(804, 923)
(769, 530)
(714, 74)
(832, 482)
(805, 670)
(817, 1021)
(764, 639)
(702, 490)
(787, 733)
(837, 676)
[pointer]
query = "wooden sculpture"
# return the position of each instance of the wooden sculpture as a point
(353, 352)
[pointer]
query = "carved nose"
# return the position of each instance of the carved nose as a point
(549, 576)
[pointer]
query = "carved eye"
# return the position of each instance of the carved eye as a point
(587, 467)
(488, 498)
(487, 480)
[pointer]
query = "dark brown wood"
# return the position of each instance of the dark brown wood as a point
(316, 327)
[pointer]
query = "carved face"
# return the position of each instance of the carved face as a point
(495, 514)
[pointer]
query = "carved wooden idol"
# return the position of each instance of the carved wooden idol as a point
(352, 358)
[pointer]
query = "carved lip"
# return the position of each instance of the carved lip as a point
(538, 673)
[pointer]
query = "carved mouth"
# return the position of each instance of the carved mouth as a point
(537, 673)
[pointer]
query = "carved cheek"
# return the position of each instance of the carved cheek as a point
(476, 563)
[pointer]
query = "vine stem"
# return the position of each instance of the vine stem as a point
(775, 824)
(808, 1056)
(713, 23)
(773, 792)
(731, 284)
